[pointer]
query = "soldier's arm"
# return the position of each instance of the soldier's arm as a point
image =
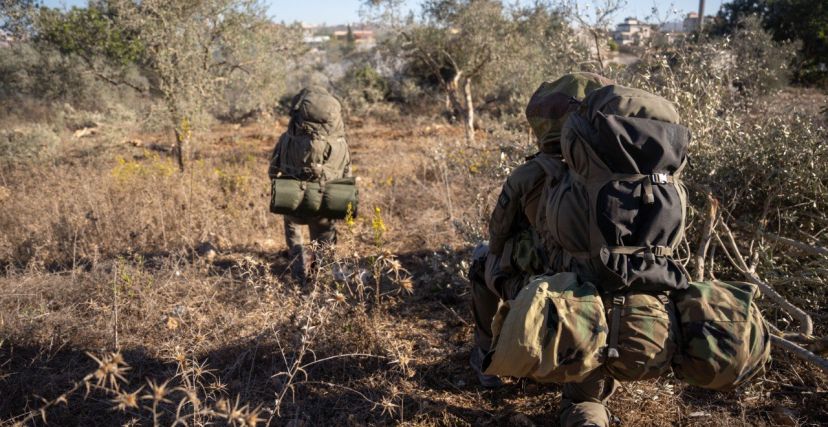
(506, 209)
(273, 168)
(338, 159)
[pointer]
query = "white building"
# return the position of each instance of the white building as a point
(631, 32)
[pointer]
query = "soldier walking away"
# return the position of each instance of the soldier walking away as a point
(313, 149)
(517, 246)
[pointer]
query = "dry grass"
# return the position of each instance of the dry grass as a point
(108, 249)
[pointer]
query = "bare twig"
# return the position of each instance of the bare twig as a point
(706, 235)
(800, 352)
(806, 324)
(802, 246)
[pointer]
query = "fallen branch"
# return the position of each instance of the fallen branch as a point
(800, 352)
(802, 246)
(806, 324)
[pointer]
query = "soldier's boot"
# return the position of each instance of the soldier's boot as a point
(584, 403)
(476, 363)
(300, 264)
(484, 307)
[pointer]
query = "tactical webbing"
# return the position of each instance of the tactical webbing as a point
(647, 181)
(648, 252)
(615, 322)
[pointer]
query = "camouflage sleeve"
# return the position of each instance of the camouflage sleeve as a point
(505, 212)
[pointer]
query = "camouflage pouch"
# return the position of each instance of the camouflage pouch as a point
(553, 331)
(724, 340)
(526, 254)
(645, 338)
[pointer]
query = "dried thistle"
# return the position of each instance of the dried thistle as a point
(126, 401)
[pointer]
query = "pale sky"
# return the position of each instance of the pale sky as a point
(347, 11)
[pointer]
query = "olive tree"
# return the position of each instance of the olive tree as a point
(481, 50)
(189, 51)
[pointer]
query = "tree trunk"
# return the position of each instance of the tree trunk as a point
(598, 49)
(469, 116)
(181, 139)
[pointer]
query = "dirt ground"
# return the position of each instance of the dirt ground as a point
(168, 303)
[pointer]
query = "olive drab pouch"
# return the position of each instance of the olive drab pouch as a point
(643, 335)
(334, 199)
(620, 209)
(553, 331)
(340, 199)
(724, 340)
(294, 197)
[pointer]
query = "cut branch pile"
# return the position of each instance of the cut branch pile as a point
(801, 344)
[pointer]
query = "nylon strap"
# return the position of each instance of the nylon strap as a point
(649, 252)
(615, 322)
(641, 250)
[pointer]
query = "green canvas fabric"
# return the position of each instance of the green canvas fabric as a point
(340, 198)
(724, 338)
(314, 147)
(553, 331)
(620, 209)
(334, 199)
(551, 102)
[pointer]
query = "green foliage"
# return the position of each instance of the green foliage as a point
(362, 86)
(763, 64)
(27, 143)
(761, 160)
(805, 20)
(504, 52)
(787, 20)
(92, 33)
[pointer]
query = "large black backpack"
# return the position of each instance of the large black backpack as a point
(619, 212)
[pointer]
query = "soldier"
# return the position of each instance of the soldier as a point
(516, 249)
(312, 149)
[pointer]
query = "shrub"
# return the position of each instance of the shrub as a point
(28, 143)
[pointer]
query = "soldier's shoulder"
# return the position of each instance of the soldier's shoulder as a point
(526, 175)
(529, 169)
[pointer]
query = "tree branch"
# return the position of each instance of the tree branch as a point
(706, 235)
(806, 324)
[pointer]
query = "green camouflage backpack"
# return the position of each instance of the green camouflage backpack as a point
(724, 340)
(553, 331)
(620, 209)
(310, 164)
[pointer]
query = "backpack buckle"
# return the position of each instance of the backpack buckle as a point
(659, 178)
(662, 251)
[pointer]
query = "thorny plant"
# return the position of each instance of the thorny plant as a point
(192, 396)
(298, 355)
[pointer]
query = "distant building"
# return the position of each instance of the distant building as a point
(631, 32)
(314, 40)
(672, 27)
(360, 36)
(691, 22)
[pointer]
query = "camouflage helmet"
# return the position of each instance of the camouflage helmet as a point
(552, 101)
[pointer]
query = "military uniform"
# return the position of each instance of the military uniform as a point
(312, 149)
(518, 248)
(515, 250)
